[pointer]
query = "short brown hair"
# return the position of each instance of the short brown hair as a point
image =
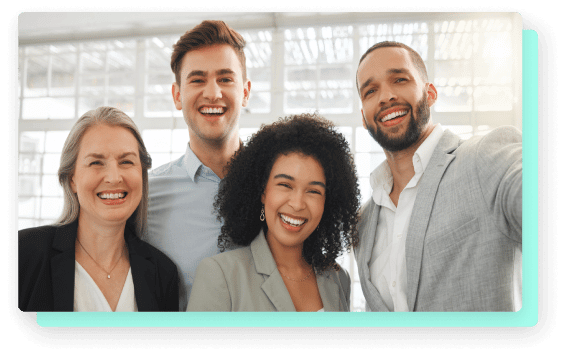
(207, 33)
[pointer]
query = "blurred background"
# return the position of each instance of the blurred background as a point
(69, 63)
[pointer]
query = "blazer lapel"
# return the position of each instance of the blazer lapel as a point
(143, 274)
(368, 234)
(420, 216)
(329, 292)
(273, 286)
(63, 268)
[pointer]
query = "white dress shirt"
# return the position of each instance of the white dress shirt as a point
(89, 298)
(388, 266)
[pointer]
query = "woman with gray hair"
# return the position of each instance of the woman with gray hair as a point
(92, 259)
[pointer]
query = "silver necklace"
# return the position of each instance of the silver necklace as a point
(107, 272)
(293, 279)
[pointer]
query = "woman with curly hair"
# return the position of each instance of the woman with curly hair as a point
(290, 198)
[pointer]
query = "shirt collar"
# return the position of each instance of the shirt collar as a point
(381, 176)
(192, 163)
(424, 152)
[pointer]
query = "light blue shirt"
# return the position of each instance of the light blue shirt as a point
(181, 222)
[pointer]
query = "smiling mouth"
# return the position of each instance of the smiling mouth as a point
(112, 196)
(394, 115)
(212, 111)
(292, 222)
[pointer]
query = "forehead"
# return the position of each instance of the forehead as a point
(103, 138)
(379, 62)
(299, 166)
(211, 59)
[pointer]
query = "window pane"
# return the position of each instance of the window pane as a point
(493, 98)
(260, 102)
(51, 162)
(179, 140)
(30, 163)
(335, 102)
(36, 77)
(159, 106)
(63, 75)
(367, 162)
(28, 185)
(93, 62)
(454, 99)
(299, 102)
(364, 141)
(28, 207)
(157, 140)
(54, 141)
(51, 208)
(300, 78)
(50, 186)
(48, 108)
(88, 103)
(32, 141)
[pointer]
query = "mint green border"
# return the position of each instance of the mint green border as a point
(526, 317)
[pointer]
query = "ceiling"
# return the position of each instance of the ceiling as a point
(46, 27)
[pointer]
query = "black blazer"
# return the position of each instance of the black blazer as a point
(46, 260)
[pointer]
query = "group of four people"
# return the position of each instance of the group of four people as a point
(258, 227)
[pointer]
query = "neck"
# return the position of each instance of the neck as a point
(215, 155)
(289, 257)
(401, 162)
(102, 242)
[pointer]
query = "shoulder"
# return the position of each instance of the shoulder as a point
(498, 138)
(168, 169)
(340, 276)
(229, 260)
(155, 255)
(36, 239)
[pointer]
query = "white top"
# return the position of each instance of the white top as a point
(388, 266)
(89, 298)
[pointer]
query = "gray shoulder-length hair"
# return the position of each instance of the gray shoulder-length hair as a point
(112, 117)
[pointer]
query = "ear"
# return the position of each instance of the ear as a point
(176, 92)
(364, 120)
(73, 185)
(263, 198)
(247, 89)
(431, 94)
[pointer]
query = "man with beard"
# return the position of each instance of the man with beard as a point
(443, 229)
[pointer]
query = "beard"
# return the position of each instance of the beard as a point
(412, 134)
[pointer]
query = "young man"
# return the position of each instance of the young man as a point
(210, 88)
(442, 231)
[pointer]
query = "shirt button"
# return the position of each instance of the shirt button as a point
(393, 284)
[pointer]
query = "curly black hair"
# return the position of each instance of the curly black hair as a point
(238, 202)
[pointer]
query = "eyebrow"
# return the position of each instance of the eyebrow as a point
(285, 176)
(101, 156)
(389, 72)
(223, 71)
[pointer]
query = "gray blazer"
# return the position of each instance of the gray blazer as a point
(464, 241)
(247, 279)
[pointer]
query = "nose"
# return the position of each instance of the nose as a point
(387, 95)
(297, 200)
(212, 91)
(113, 173)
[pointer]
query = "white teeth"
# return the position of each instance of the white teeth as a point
(111, 196)
(212, 110)
(291, 221)
(393, 115)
